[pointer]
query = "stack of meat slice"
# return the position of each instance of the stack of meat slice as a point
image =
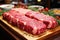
(25, 23)
(48, 20)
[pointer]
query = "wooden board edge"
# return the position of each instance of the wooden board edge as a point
(46, 35)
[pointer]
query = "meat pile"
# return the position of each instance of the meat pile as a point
(29, 21)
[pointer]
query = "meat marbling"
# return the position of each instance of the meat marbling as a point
(30, 25)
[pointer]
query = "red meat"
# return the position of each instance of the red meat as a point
(48, 20)
(30, 25)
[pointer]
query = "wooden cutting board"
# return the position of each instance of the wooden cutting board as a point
(46, 34)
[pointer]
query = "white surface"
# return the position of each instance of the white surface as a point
(38, 6)
(7, 6)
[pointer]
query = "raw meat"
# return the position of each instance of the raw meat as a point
(30, 25)
(48, 20)
(21, 10)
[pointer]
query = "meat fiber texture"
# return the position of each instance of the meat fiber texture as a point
(48, 20)
(29, 25)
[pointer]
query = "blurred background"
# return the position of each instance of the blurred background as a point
(45, 3)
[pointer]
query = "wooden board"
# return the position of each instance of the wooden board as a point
(48, 33)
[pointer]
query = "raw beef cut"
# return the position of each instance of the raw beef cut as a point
(48, 20)
(30, 25)
(7, 16)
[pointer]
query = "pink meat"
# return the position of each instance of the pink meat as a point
(21, 10)
(48, 20)
(7, 16)
(30, 25)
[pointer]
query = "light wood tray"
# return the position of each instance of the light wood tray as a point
(48, 33)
